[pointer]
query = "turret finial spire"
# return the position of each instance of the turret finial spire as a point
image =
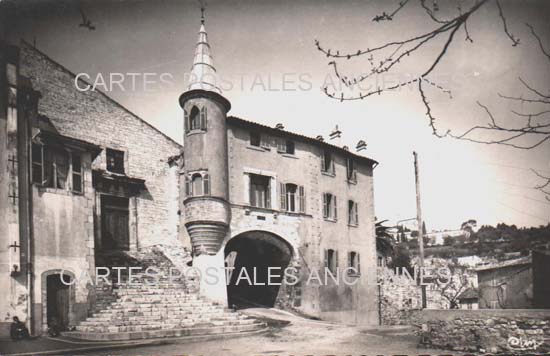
(203, 73)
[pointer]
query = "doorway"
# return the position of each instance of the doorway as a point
(114, 223)
(58, 300)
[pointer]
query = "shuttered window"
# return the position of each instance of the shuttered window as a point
(327, 163)
(331, 260)
(330, 207)
(354, 263)
(351, 170)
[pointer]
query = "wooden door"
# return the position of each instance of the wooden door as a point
(115, 234)
(58, 300)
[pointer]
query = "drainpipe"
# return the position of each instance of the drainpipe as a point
(30, 229)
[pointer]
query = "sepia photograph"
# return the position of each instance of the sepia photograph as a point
(274, 177)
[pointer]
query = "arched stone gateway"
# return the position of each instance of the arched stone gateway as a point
(252, 254)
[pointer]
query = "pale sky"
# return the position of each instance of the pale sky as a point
(264, 46)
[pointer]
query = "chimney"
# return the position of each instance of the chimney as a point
(361, 145)
(280, 126)
(346, 148)
(336, 133)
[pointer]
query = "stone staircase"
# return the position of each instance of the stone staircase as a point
(169, 308)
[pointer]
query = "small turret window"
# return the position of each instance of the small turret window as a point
(196, 181)
(197, 184)
(196, 120)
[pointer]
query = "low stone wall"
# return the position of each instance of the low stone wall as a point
(517, 331)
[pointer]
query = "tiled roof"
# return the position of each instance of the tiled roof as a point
(280, 132)
(516, 262)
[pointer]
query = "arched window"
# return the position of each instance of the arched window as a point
(197, 185)
(195, 119)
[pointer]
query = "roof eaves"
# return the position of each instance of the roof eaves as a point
(275, 131)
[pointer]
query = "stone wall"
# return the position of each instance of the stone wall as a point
(398, 299)
(94, 117)
(309, 233)
(517, 331)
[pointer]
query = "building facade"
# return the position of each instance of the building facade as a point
(81, 181)
(259, 197)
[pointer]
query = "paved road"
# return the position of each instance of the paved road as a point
(300, 337)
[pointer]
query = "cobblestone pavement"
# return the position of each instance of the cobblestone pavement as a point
(300, 337)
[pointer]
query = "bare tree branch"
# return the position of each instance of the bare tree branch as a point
(531, 127)
(515, 41)
(545, 186)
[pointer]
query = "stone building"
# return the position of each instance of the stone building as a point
(506, 285)
(81, 182)
(259, 197)
(79, 178)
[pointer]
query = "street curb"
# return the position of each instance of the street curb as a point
(125, 344)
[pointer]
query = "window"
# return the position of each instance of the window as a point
(115, 161)
(56, 167)
(197, 184)
(51, 166)
(331, 260)
(260, 194)
(196, 181)
(351, 170)
(37, 163)
(196, 120)
(285, 146)
(329, 206)
(76, 172)
(354, 263)
(327, 163)
(255, 139)
(292, 198)
(353, 218)
(290, 147)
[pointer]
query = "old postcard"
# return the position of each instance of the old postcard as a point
(274, 177)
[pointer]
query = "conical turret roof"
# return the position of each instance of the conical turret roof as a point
(203, 72)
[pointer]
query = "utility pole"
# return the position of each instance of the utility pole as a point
(420, 229)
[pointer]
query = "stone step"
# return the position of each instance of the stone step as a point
(170, 307)
(162, 325)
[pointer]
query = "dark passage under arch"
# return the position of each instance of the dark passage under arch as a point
(256, 251)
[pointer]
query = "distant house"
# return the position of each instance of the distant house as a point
(506, 285)
(469, 261)
(469, 299)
